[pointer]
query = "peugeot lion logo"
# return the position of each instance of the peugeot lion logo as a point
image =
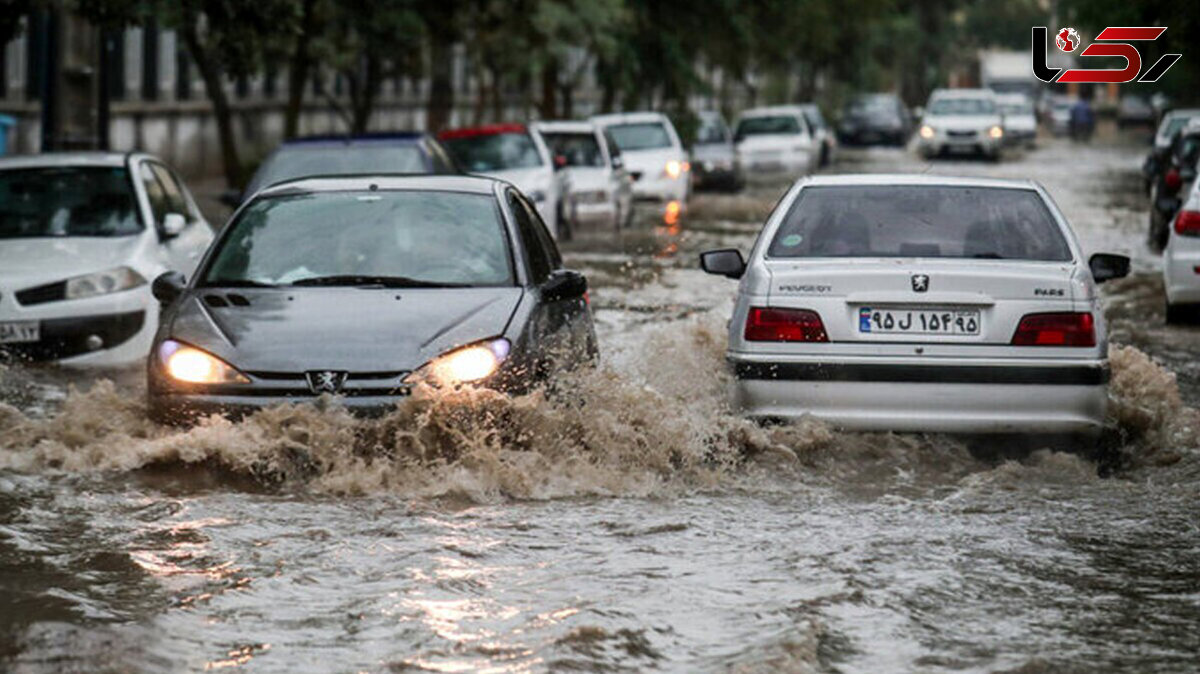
(920, 283)
(326, 381)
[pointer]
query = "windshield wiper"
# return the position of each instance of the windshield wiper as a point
(237, 283)
(380, 281)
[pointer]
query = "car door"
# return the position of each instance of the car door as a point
(622, 184)
(181, 250)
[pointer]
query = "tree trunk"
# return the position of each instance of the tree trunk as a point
(442, 36)
(298, 71)
(548, 106)
(213, 78)
(364, 99)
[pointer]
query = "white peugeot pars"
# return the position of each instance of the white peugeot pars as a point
(920, 303)
(81, 235)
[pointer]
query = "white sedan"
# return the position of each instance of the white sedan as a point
(920, 303)
(776, 139)
(653, 155)
(80, 235)
(1181, 259)
(598, 189)
(961, 121)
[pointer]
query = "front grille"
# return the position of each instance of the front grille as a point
(66, 337)
(51, 292)
(295, 384)
(961, 134)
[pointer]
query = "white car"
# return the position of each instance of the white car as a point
(776, 140)
(598, 188)
(1020, 122)
(920, 303)
(510, 152)
(653, 155)
(1181, 259)
(961, 121)
(81, 235)
(823, 135)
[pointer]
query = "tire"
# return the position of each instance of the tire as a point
(1177, 313)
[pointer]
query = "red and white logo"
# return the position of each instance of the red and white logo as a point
(1067, 39)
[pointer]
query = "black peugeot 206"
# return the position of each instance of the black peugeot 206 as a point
(361, 287)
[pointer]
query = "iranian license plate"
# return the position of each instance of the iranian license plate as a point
(919, 321)
(19, 332)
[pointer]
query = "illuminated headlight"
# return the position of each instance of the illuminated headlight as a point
(927, 132)
(592, 197)
(673, 168)
(191, 365)
(537, 195)
(996, 132)
(468, 364)
(103, 283)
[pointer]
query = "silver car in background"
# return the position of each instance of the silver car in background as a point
(1020, 121)
(714, 159)
(775, 140)
(920, 303)
(960, 121)
(598, 189)
(823, 135)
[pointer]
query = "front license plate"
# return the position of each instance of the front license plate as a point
(19, 332)
(918, 321)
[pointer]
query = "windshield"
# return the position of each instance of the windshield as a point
(494, 151)
(67, 201)
(712, 131)
(920, 221)
(292, 162)
(579, 149)
(405, 237)
(963, 106)
(760, 126)
(644, 136)
(1174, 124)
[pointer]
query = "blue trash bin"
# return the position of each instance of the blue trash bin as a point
(6, 123)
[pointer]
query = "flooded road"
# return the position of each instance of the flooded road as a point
(632, 524)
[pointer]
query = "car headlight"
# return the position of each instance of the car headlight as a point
(673, 168)
(103, 283)
(927, 132)
(191, 365)
(467, 364)
(996, 132)
(537, 196)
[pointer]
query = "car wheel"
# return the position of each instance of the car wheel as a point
(1179, 313)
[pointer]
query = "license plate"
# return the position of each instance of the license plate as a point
(19, 332)
(918, 321)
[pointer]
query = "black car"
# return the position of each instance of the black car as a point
(363, 287)
(367, 154)
(875, 118)
(1171, 183)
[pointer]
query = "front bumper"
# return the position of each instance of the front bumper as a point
(945, 143)
(75, 336)
(1023, 397)
(181, 408)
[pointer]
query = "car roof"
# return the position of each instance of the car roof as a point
(773, 110)
(438, 183)
(332, 140)
(565, 126)
(52, 159)
(629, 118)
(908, 179)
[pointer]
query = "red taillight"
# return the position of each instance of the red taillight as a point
(784, 325)
(1056, 330)
(1172, 180)
(1187, 223)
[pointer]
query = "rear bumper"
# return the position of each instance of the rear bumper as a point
(1060, 398)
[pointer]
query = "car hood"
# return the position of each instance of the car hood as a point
(353, 329)
(48, 259)
(963, 121)
(651, 162)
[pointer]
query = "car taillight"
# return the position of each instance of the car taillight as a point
(784, 325)
(1187, 223)
(1056, 330)
(1172, 180)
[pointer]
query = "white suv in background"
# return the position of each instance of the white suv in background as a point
(81, 237)
(961, 121)
(776, 140)
(653, 155)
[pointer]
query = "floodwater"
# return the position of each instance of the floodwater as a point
(631, 524)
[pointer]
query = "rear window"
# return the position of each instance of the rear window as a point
(920, 221)
(644, 136)
(759, 126)
(494, 151)
(290, 163)
(579, 149)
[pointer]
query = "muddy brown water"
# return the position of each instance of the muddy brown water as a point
(631, 524)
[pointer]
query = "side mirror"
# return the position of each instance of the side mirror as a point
(618, 162)
(1106, 267)
(725, 262)
(231, 198)
(564, 284)
(560, 162)
(168, 286)
(173, 225)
